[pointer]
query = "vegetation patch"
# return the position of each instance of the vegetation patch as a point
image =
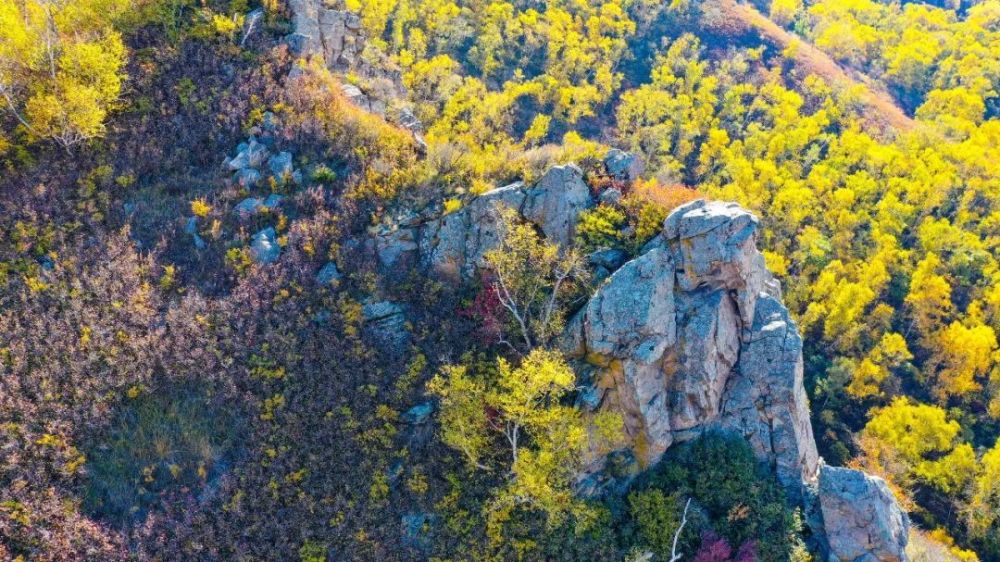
(160, 443)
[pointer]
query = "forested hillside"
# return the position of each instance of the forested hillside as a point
(216, 344)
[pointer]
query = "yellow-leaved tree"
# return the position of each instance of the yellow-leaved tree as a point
(61, 65)
(512, 419)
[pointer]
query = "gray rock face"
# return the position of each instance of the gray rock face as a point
(707, 348)
(765, 400)
(715, 244)
(632, 346)
(556, 201)
(690, 336)
(861, 519)
(453, 246)
(248, 207)
(387, 322)
(334, 34)
(273, 201)
(248, 177)
(396, 246)
(418, 414)
(265, 247)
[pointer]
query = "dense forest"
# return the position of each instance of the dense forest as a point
(172, 389)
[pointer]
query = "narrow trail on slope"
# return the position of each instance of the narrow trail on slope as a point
(882, 108)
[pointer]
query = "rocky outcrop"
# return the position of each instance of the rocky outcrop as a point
(861, 520)
(688, 336)
(453, 245)
(555, 203)
(337, 37)
(334, 34)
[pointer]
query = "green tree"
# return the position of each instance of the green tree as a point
(61, 65)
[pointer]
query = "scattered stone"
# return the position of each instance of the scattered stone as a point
(280, 164)
(248, 177)
(611, 196)
(418, 414)
(380, 310)
(394, 246)
(354, 95)
(250, 154)
(861, 519)
(395, 471)
(265, 247)
(328, 274)
(407, 120)
(623, 166)
(417, 528)
(388, 323)
(191, 228)
(270, 122)
(611, 259)
(248, 207)
(273, 201)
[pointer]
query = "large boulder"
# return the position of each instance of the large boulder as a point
(861, 519)
(690, 336)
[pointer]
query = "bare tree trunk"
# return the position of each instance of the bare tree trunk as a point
(674, 555)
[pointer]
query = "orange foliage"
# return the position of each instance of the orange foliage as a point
(667, 197)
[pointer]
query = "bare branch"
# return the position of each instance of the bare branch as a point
(674, 555)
